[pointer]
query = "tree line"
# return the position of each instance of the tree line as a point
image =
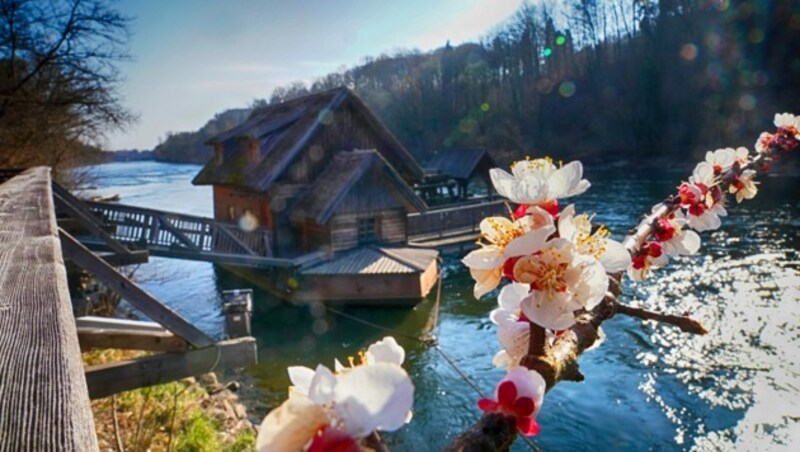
(595, 79)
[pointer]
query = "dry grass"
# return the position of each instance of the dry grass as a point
(175, 416)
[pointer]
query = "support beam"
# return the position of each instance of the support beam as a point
(72, 207)
(177, 234)
(130, 258)
(130, 291)
(107, 379)
(159, 341)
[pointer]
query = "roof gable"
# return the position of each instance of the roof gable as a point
(332, 187)
(283, 131)
(458, 163)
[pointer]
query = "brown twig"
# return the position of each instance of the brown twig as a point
(120, 447)
(374, 442)
(685, 323)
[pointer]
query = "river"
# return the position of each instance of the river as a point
(647, 387)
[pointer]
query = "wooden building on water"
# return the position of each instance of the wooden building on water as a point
(323, 174)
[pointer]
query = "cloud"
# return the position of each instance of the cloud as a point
(475, 21)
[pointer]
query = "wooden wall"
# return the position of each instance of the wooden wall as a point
(241, 201)
(391, 228)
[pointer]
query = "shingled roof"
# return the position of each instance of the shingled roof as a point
(457, 163)
(282, 132)
(320, 201)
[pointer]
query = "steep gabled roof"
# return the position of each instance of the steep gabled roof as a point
(331, 188)
(457, 163)
(282, 132)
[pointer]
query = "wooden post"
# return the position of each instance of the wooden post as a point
(44, 403)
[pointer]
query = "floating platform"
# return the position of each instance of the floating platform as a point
(370, 275)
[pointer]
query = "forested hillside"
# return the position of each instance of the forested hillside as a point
(597, 79)
(190, 147)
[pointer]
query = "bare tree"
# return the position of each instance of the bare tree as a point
(58, 78)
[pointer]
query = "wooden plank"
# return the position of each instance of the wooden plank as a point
(107, 379)
(130, 291)
(44, 403)
(162, 341)
(72, 207)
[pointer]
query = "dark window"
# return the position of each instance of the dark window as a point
(366, 230)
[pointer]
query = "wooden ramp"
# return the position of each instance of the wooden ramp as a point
(44, 402)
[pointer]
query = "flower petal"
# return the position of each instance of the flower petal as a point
(529, 242)
(485, 280)
(616, 257)
(486, 258)
(566, 181)
(290, 426)
(546, 312)
(386, 351)
(511, 295)
(322, 387)
(300, 377)
(375, 397)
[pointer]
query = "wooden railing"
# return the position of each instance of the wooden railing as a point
(452, 220)
(154, 228)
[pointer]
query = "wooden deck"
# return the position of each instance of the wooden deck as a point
(44, 402)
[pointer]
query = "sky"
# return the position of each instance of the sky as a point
(192, 59)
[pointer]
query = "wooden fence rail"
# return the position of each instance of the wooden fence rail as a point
(44, 402)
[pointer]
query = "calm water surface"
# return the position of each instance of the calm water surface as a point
(647, 387)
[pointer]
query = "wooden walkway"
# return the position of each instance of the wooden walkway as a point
(181, 236)
(191, 237)
(44, 402)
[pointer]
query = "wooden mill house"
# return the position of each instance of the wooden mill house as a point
(322, 174)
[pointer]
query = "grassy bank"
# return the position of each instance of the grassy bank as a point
(186, 415)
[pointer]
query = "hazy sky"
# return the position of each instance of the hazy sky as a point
(195, 58)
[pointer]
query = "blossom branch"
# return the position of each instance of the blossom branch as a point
(539, 256)
(685, 323)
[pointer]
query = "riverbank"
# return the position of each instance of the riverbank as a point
(201, 414)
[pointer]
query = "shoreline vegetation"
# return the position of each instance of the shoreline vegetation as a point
(193, 414)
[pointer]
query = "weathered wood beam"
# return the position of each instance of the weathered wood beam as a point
(72, 207)
(122, 259)
(44, 403)
(130, 291)
(161, 341)
(107, 379)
